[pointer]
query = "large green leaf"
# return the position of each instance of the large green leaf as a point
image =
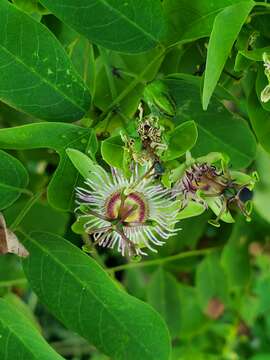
(260, 120)
(218, 129)
(211, 281)
(39, 217)
(112, 151)
(262, 190)
(20, 339)
(163, 295)
(235, 257)
(83, 296)
(192, 318)
(36, 74)
(13, 179)
(126, 26)
(191, 20)
(59, 137)
(226, 28)
(181, 140)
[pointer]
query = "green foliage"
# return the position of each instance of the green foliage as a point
(86, 300)
(163, 295)
(34, 61)
(130, 27)
(13, 179)
(218, 129)
(221, 42)
(135, 157)
(19, 338)
(211, 281)
(57, 137)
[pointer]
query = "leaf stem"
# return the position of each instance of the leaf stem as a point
(132, 84)
(25, 210)
(106, 64)
(160, 261)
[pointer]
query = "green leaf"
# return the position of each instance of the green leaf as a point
(40, 217)
(218, 129)
(19, 337)
(81, 161)
(261, 356)
(13, 179)
(235, 257)
(112, 91)
(260, 120)
(192, 318)
(192, 209)
(262, 191)
(192, 20)
(163, 295)
(192, 229)
(36, 75)
(226, 28)
(81, 295)
(181, 140)
(59, 137)
(256, 54)
(112, 151)
(126, 26)
(23, 308)
(211, 281)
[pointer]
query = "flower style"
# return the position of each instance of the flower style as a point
(130, 213)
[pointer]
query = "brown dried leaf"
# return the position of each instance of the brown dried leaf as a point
(9, 242)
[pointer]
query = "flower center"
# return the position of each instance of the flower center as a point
(128, 208)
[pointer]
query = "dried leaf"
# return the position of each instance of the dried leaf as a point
(9, 242)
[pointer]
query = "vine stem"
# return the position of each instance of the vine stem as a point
(161, 261)
(25, 210)
(132, 85)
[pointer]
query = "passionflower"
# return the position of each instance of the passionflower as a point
(221, 190)
(199, 177)
(130, 213)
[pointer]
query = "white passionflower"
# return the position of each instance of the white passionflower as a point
(129, 213)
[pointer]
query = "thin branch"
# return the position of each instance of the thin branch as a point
(161, 261)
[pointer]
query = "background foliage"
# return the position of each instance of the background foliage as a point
(72, 72)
